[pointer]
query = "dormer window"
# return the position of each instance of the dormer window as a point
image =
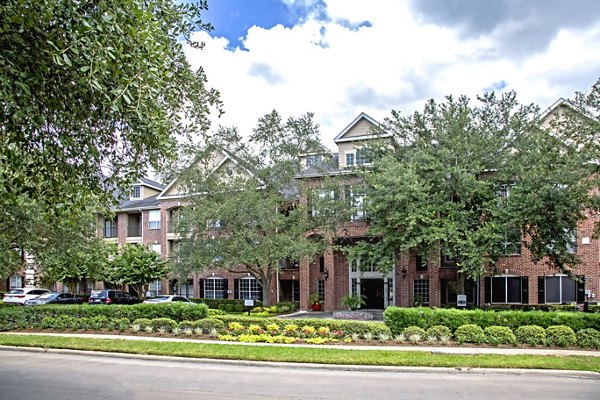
(137, 192)
(313, 160)
(362, 157)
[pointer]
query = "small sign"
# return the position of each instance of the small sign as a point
(461, 300)
(249, 303)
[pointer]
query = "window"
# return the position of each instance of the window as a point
(420, 263)
(215, 224)
(313, 160)
(511, 245)
(355, 197)
(362, 157)
(214, 288)
(321, 289)
(361, 264)
(137, 192)
(16, 282)
(572, 241)
(155, 287)
(506, 289)
(556, 289)
(156, 248)
(288, 263)
(110, 228)
(154, 219)
(349, 159)
(249, 289)
(321, 202)
(503, 190)
(421, 291)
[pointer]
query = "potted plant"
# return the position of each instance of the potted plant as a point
(353, 301)
(314, 302)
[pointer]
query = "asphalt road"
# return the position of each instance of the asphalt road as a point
(50, 376)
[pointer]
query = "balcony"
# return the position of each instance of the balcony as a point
(134, 230)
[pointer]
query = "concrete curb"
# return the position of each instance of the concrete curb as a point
(331, 367)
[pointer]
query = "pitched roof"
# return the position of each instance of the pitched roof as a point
(342, 136)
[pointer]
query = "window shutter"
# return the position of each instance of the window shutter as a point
(581, 289)
(487, 288)
(201, 288)
(225, 288)
(236, 287)
(525, 289)
(541, 290)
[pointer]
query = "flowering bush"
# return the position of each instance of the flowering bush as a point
(235, 327)
(323, 331)
(308, 330)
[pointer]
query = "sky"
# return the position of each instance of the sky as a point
(338, 58)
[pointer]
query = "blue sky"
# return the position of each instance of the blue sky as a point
(338, 58)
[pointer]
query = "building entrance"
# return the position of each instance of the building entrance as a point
(373, 290)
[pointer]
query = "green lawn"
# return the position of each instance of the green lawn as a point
(308, 355)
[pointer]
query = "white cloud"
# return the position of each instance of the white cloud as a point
(397, 62)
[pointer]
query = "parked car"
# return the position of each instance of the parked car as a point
(54, 298)
(167, 299)
(111, 296)
(20, 296)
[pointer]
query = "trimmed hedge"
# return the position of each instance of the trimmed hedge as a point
(23, 317)
(560, 335)
(469, 333)
(531, 334)
(348, 327)
(397, 318)
(496, 335)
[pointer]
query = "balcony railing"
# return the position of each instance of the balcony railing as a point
(134, 230)
(110, 232)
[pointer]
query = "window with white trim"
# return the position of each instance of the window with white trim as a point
(136, 192)
(355, 198)
(155, 287)
(362, 156)
(154, 219)
(350, 159)
(321, 202)
(559, 290)
(156, 248)
(313, 160)
(421, 291)
(15, 282)
(214, 288)
(249, 288)
(506, 289)
(361, 264)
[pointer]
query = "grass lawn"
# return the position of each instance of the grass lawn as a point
(308, 355)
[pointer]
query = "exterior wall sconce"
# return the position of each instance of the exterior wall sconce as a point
(403, 273)
(326, 274)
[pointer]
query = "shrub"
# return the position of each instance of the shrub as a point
(560, 335)
(142, 322)
(531, 334)
(414, 334)
(209, 324)
(469, 333)
(588, 338)
(163, 324)
(496, 335)
(439, 331)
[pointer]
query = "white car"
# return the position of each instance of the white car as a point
(167, 299)
(20, 296)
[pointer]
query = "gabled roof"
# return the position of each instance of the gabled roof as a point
(151, 183)
(342, 136)
(138, 204)
(227, 157)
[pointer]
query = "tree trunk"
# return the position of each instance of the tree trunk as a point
(266, 284)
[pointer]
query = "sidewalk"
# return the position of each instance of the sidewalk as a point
(429, 349)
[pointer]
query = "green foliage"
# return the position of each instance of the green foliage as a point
(588, 338)
(469, 333)
(398, 318)
(353, 301)
(531, 334)
(163, 324)
(439, 332)
(241, 213)
(209, 324)
(136, 266)
(431, 189)
(88, 87)
(414, 333)
(560, 335)
(496, 335)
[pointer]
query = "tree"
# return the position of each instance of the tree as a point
(245, 217)
(93, 93)
(476, 182)
(136, 266)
